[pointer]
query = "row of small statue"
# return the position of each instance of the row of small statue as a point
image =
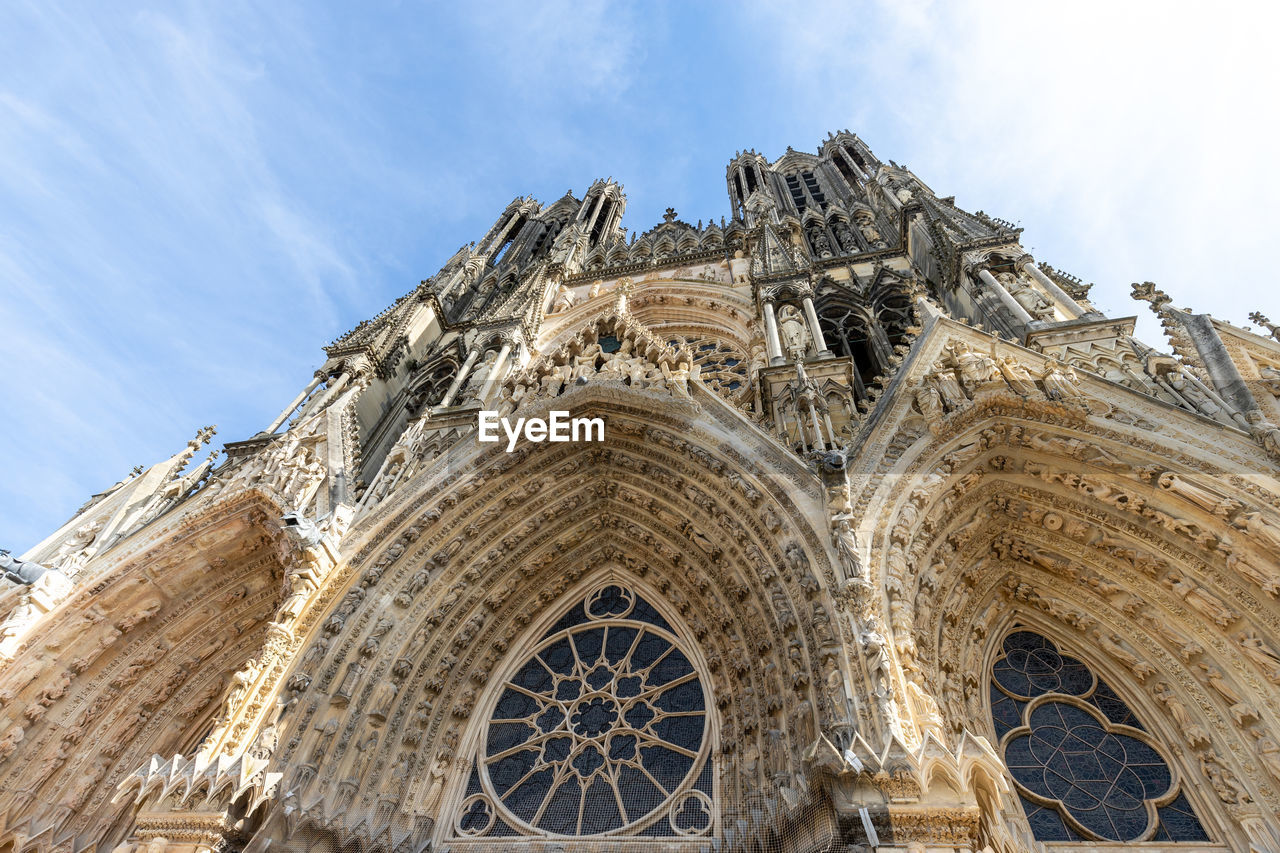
(953, 379)
(565, 297)
(593, 363)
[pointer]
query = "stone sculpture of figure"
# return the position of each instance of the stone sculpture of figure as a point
(1269, 754)
(846, 542)
(638, 371)
(584, 363)
(929, 401)
(878, 663)
(1271, 379)
(837, 698)
(1026, 296)
(1191, 730)
(928, 716)
(1192, 393)
(513, 400)
(948, 386)
(380, 706)
(844, 236)
(437, 773)
(14, 736)
(1263, 532)
(1017, 376)
(976, 369)
(1060, 381)
(677, 378)
(1262, 654)
(553, 380)
(564, 299)
(795, 337)
(265, 745)
(866, 224)
(1265, 432)
(818, 239)
(74, 551)
(616, 364)
(480, 375)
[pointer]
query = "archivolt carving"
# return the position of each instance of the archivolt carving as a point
(404, 656)
(142, 670)
(1149, 554)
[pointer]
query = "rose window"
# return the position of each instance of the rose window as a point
(602, 729)
(722, 367)
(1084, 765)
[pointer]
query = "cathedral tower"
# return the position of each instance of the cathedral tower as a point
(891, 541)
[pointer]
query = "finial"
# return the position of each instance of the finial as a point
(1261, 319)
(1148, 292)
(670, 215)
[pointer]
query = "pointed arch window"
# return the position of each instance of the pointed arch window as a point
(602, 729)
(1085, 768)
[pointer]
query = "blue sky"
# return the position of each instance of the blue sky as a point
(195, 198)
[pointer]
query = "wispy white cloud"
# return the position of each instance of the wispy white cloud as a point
(1131, 140)
(195, 198)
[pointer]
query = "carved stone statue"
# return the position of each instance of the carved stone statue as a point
(846, 542)
(1018, 377)
(948, 386)
(976, 369)
(1192, 393)
(1027, 296)
(1060, 381)
(866, 224)
(795, 335)
(563, 301)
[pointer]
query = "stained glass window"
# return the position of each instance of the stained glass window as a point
(1084, 767)
(602, 729)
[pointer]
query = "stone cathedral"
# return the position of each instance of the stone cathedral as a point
(890, 542)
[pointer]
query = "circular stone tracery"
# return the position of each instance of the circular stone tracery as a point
(603, 725)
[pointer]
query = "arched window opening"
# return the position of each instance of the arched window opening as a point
(602, 729)
(597, 230)
(847, 334)
(896, 315)
(1085, 767)
(737, 182)
(797, 194)
(815, 191)
(846, 171)
(430, 389)
(857, 158)
(549, 233)
(750, 172)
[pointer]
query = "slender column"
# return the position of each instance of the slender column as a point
(595, 212)
(334, 387)
(499, 365)
(772, 341)
(817, 427)
(857, 170)
(1019, 312)
(1073, 308)
(447, 401)
(297, 401)
(819, 342)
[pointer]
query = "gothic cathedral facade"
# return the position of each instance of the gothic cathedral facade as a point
(889, 541)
